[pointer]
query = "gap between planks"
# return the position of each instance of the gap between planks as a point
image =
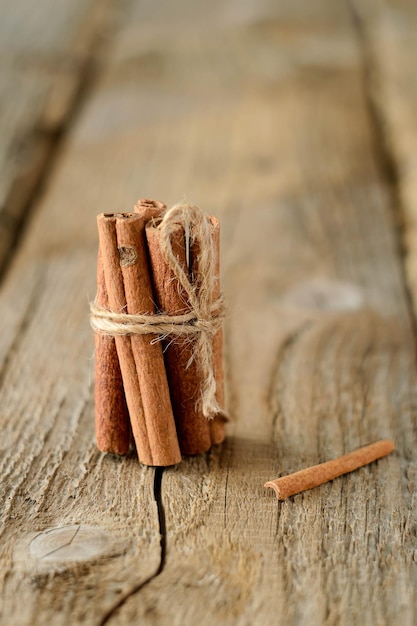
(384, 157)
(52, 141)
(163, 534)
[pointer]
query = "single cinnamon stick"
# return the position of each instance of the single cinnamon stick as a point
(292, 484)
(150, 367)
(148, 208)
(111, 416)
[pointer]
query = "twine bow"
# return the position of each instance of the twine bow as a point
(199, 290)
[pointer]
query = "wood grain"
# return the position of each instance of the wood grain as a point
(259, 114)
(388, 31)
(52, 475)
(46, 59)
(320, 355)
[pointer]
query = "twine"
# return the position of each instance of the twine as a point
(205, 317)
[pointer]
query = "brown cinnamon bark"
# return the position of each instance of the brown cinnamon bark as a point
(150, 367)
(153, 209)
(310, 477)
(195, 433)
(111, 416)
(148, 208)
(106, 224)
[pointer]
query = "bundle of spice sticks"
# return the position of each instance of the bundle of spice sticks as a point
(157, 319)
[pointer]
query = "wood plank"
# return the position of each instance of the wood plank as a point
(389, 31)
(319, 343)
(49, 32)
(42, 70)
(74, 524)
(78, 530)
(261, 119)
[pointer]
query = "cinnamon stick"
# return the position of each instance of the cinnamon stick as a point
(113, 430)
(150, 367)
(194, 431)
(292, 484)
(149, 209)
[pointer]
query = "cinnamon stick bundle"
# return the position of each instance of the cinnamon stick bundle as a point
(175, 401)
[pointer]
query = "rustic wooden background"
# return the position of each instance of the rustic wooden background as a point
(296, 123)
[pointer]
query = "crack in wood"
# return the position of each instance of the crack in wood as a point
(52, 141)
(163, 543)
(161, 515)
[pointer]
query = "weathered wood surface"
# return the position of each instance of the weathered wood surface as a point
(389, 35)
(258, 112)
(47, 56)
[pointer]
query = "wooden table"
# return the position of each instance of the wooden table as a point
(296, 124)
